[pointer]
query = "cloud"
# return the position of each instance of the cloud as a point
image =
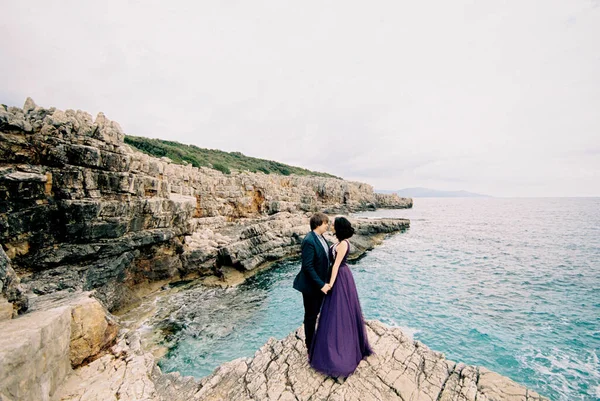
(494, 97)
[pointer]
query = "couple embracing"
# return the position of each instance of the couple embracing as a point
(327, 286)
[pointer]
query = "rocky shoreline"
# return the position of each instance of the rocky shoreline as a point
(165, 309)
(80, 210)
(91, 228)
(401, 369)
(38, 350)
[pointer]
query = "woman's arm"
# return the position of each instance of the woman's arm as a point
(341, 249)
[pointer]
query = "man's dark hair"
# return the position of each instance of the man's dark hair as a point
(343, 228)
(317, 219)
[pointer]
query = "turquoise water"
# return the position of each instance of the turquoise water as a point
(509, 284)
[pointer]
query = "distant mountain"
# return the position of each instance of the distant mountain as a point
(432, 193)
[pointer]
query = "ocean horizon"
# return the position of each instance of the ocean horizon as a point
(511, 284)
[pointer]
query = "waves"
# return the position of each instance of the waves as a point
(509, 284)
(570, 373)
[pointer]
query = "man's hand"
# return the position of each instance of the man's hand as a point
(326, 288)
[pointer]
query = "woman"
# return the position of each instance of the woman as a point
(340, 342)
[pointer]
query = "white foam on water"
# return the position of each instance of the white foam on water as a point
(574, 365)
(562, 365)
(409, 331)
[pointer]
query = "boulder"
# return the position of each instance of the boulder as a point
(34, 354)
(92, 330)
(38, 349)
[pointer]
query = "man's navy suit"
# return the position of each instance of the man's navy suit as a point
(313, 275)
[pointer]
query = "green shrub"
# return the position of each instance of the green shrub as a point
(222, 168)
(222, 161)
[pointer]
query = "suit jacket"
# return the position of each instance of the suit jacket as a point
(315, 266)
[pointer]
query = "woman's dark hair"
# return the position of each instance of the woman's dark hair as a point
(343, 228)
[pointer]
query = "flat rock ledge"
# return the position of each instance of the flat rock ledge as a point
(401, 369)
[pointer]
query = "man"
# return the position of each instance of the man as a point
(314, 274)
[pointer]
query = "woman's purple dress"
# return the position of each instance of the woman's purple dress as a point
(340, 342)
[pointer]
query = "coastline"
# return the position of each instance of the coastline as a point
(154, 336)
(91, 226)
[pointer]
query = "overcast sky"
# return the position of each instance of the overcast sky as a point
(497, 97)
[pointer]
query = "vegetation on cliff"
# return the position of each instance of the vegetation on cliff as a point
(217, 159)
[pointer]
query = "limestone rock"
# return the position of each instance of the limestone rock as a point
(269, 239)
(38, 349)
(279, 236)
(370, 233)
(92, 330)
(81, 210)
(34, 354)
(392, 201)
(127, 373)
(29, 105)
(12, 296)
(401, 369)
(6, 309)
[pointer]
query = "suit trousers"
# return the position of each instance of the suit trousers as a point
(312, 306)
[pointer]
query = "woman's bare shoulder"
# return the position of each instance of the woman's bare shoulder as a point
(343, 245)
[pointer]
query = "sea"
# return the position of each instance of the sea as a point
(511, 284)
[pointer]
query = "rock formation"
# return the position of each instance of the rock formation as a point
(12, 296)
(401, 369)
(80, 210)
(38, 350)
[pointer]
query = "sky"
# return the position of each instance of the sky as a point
(490, 96)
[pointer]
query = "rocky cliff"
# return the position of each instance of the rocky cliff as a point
(81, 210)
